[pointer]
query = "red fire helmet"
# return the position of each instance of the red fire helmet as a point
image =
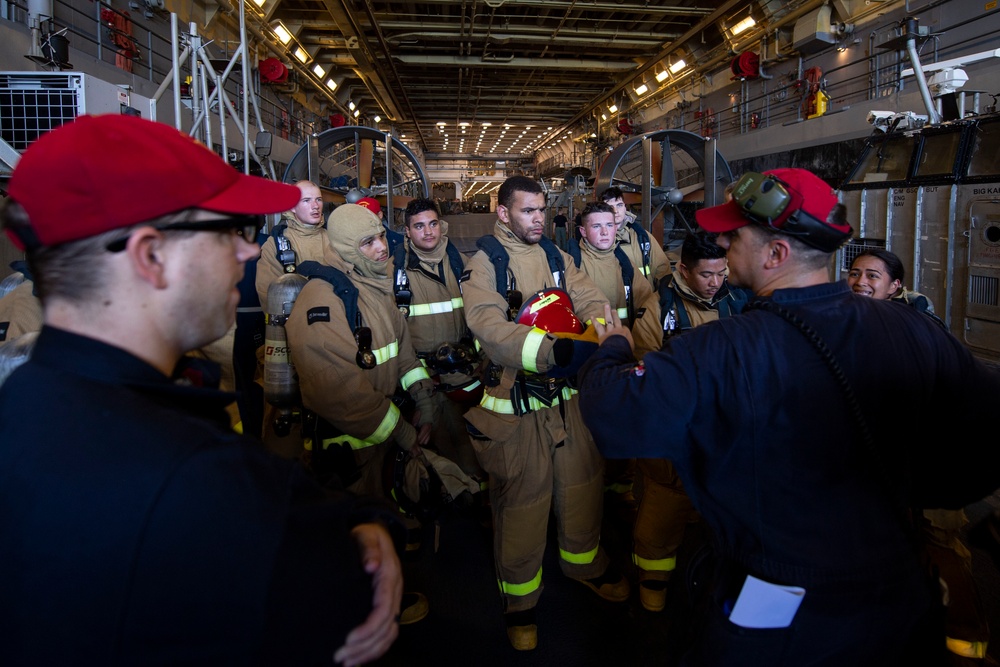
(550, 310)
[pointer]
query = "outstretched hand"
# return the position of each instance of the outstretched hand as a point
(372, 639)
(612, 327)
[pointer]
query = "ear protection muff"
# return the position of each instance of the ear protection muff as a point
(766, 200)
(761, 198)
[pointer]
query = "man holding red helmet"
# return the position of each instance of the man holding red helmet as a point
(527, 431)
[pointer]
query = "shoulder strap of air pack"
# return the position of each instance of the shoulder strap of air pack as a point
(628, 270)
(498, 257)
(400, 281)
(282, 248)
(555, 258)
(573, 248)
(455, 260)
(643, 237)
(628, 278)
(342, 287)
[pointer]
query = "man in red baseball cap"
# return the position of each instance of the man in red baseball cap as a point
(805, 431)
(371, 204)
(793, 207)
(138, 527)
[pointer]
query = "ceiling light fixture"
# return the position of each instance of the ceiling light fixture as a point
(743, 25)
(281, 32)
(678, 66)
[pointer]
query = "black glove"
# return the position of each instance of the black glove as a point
(569, 355)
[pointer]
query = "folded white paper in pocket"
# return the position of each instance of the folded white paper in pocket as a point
(765, 605)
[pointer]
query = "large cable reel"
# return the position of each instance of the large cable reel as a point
(355, 159)
(667, 172)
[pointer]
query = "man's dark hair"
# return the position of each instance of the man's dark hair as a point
(893, 264)
(595, 207)
(505, 197)
(418, 206)
(614, 192)
(698, 246)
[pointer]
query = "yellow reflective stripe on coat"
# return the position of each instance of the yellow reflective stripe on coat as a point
(586, 558)
(623, 313)
(529, 351)
(386, 352)
(436, 307)
(645, 270)
(414, 376)
(966, 649)
(505, 406)
(657, 565)
(380, 435)
(527, 588)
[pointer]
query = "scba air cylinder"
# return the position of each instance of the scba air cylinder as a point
(281, 384)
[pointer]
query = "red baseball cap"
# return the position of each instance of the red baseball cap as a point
(371, 204)
(756, 200)
(99, 173)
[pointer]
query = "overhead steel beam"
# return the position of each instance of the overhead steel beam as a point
(365, 68)
(645, 7)
(544, 63)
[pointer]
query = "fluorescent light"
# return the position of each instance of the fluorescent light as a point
(331, 84)
(661, 75)
(351, 105)
(613, 108)
(641, 89)
(319, 71)
(301, 54)
(745, 24)
(377, 119)
(259, 3)
(357, 112)
(282, 33)
(604, 116)
(678, 66)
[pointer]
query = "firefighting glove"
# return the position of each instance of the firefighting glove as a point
(568, 355)
(405, 435)
(427, 407)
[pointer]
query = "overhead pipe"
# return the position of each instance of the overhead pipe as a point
(918, 72)
(280, 53)
(715, 15)
(570, 4)
(369, 10)
(550, 63)
(420, 30)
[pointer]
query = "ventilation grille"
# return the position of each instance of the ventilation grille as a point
(31, 105)
(984, 290)
(855, 248)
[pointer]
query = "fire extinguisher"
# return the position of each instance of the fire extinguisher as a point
(281, 382)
